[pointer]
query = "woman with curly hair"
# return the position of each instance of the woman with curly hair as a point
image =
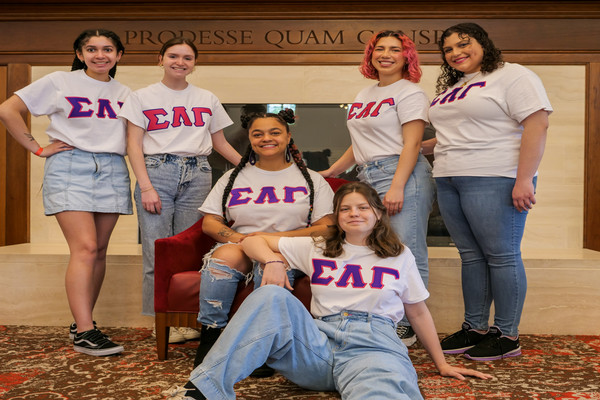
(491, 119)
(363, 280)
(270, 192)
(386, 123)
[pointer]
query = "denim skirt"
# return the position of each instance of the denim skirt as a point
(77, 180)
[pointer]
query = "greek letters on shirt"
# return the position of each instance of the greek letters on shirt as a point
(458, 93)
(266, 195)
(357, 110)
(351, 275)
(156, 120)
(80, 108)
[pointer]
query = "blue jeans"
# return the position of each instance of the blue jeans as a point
(355, 353)
(487, 230)
(218, 286)
(411, 223)
(182, 184)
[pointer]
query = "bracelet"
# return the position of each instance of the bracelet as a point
(147, 190)
(276, 261)
(39, 151)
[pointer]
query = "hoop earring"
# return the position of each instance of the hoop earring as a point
(288, 154)
(252, 157)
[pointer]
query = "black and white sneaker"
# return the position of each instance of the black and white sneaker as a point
(95, 343)
(73, 330)
(407, 335)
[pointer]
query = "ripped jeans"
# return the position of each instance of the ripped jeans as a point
(218, 286)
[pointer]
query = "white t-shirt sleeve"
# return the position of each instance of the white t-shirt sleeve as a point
(414, 288)
(413, 107)
(297, 251)
(525, 95)
(41, 96)
(323, 204)
(132, 111)
(212, 203)
(220, 119)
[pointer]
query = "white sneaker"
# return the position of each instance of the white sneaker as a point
(176, 393)
(174, 335)
(189, 333)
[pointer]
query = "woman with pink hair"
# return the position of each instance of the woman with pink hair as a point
(386, 123)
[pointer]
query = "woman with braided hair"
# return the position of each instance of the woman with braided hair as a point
(270, 192)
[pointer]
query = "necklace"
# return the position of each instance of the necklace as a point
(473, 77)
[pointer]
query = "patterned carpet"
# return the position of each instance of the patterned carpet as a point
(38, 363)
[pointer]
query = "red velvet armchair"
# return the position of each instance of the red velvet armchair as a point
(178, 260)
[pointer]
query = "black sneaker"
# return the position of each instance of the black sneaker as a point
(95, 343)
(73, 330)
(406, 334)
(461, 341)
(494, 347)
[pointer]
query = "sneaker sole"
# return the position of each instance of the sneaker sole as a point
(99, 352)
(457, 351)
(514, 353)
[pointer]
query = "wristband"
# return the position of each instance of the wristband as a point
(147, 190)
(276, 261)
(39, 151)
(287, 267)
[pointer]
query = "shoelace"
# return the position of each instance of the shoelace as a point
(175, 392)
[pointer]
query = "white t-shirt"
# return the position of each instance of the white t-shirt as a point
(357, 280)
(82, 110)
(176, 122)
(270, 201)
(478, 127)
(375, 118)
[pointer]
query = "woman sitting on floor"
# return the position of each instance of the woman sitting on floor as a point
(363, 281)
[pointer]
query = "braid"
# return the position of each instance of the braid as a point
(302, 166)
(232, 177)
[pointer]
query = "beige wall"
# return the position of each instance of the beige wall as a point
(555, 223)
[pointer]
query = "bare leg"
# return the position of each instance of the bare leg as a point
(83, 280)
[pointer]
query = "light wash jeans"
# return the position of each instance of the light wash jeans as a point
(218, 286)
(182, 184)
(356, 353)
(487, 230)
(419, 192)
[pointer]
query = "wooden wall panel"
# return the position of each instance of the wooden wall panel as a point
(3, 134)
(591, 225)
(17, 169)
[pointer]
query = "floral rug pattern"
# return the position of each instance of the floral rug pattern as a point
(38, 363)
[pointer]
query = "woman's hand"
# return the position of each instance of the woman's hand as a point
(394, 200)
(275, 274)
(151, 201)
(523, 195)
(55, 147)
(460, 373)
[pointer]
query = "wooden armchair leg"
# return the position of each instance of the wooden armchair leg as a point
(162, 334)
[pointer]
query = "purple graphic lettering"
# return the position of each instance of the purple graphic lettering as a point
(389, 101)
(199, 119)
(365, 113)
(236, 197)
(437, 98)
(450, 97)
(319, 265)
(351, 272)
(77, 107)
(464, 93)
(153, 119)
(179, 114)
(354, 106)
(120, 103)
(267, 193)
(379, 272)
(289, 193)
(104, 108)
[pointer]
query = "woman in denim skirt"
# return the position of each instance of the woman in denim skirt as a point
(86, 180)
(386, 123)
(172, 126)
